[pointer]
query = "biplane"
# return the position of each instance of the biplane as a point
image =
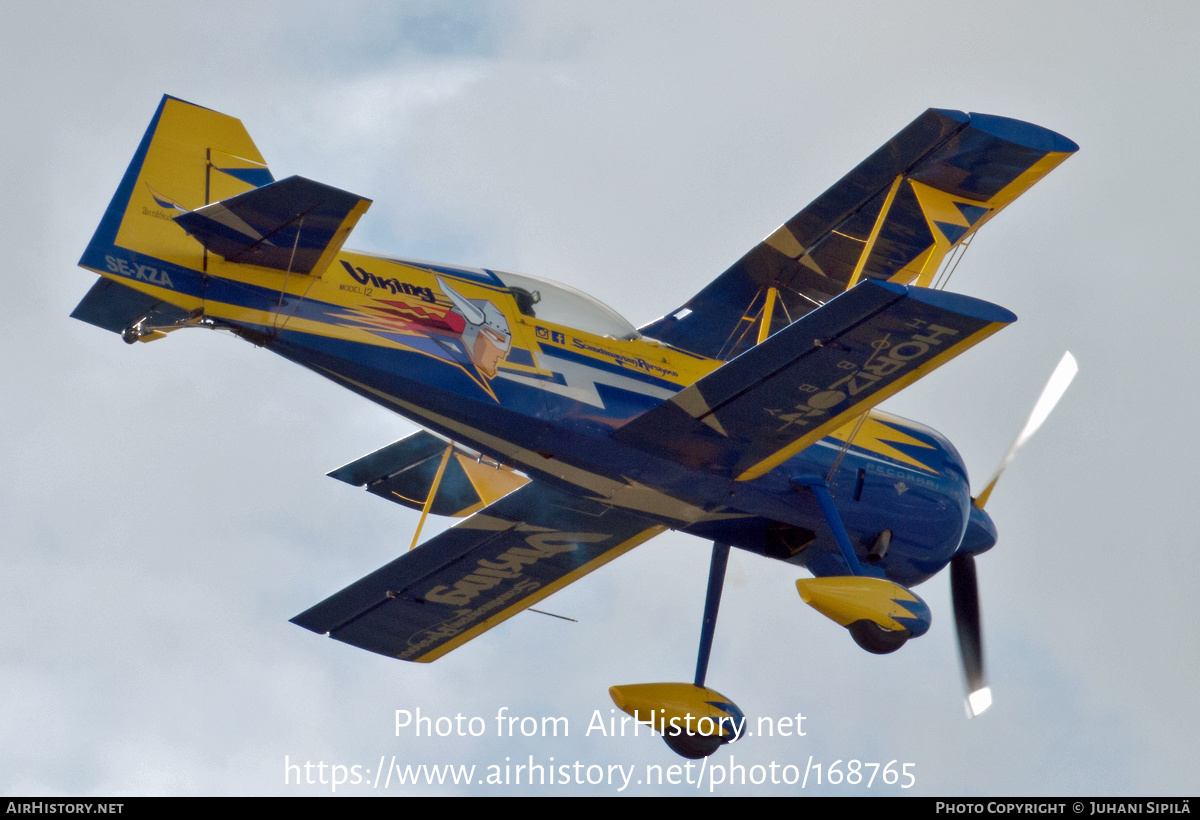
(562, 436)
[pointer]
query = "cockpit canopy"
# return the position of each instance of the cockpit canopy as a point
(562, 305)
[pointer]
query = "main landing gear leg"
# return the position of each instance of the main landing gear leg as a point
(880, 615)
(696, 746)
(693, 719)
(829, 510)
(712, 603)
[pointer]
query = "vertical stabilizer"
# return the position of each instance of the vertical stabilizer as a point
(190, 157)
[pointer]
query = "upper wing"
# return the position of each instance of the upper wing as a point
(804, 382)
(894, 217)
(484, 570)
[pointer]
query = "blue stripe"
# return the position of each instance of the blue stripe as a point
(258, 177)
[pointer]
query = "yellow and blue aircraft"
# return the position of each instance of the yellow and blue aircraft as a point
(562, 435)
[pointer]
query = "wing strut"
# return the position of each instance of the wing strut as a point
(433, 488)
(846, 446)
(764, 329)
(870, 246)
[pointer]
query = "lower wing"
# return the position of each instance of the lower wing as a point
(489, 567)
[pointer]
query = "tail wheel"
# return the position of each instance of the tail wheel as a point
(693, 747)
(875, 639)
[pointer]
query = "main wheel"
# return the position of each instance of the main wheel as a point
(875, 639)
(693, 747)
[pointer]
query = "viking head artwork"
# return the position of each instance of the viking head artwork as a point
(485, 335)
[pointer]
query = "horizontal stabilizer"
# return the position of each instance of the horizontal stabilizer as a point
(294, 225)
(477, 574)
(895, 217)
(113, 306)
(405, 471)
(801, 384)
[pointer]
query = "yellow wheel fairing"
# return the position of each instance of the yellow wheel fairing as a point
(846, 599)
(680, 708)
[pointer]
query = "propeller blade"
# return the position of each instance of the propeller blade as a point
(964, 586)
(964, 593)
(1060, 380)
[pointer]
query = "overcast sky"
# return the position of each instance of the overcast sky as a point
(164, 508)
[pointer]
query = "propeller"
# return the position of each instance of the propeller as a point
(964, 588)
